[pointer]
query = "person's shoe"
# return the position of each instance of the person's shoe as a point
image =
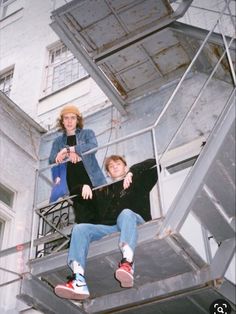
(74, 289)
(124, 274)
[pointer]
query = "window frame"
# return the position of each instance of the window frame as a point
(4, 4)
(11, 194)
(7, 216)
(3, 74)
(2, 231)
(56, 64)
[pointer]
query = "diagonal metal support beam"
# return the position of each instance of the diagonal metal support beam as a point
(181, 206)
(38, 294)
(223, 258)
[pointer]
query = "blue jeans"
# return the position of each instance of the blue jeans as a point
(83, 234)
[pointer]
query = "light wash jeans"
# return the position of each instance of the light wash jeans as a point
(83, 234)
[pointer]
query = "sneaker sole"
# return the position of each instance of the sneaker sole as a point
(126, 280)
(65, 293)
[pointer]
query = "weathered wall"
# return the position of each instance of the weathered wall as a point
(19, 143)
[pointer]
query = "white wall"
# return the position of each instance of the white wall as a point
(19, 143)
(204, 14)
(24, 43)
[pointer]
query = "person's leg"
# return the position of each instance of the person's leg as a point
(82, 235)
(127, 223)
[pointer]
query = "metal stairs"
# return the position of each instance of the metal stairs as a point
(170, 277)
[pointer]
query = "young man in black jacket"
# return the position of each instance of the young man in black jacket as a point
(120, 207)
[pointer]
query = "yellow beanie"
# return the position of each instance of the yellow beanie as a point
(70, 109)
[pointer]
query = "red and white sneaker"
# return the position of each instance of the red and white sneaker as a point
(124, 274)
(74, 289)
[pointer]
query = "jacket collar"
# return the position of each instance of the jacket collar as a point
(77, 131)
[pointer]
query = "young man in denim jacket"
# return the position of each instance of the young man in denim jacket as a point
(80, 171)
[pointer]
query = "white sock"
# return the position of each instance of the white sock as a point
(77, 268)
(127, 253)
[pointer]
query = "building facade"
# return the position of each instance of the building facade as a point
(19, 159)
(40, 72)
(36, 69)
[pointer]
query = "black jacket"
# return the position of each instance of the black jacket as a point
(112, 199)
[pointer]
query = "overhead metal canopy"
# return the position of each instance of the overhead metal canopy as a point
(133, 47)
(110, 38)
(105, 26)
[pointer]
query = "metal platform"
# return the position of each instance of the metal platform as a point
(131, 48)
(151, 264)
(193, 300)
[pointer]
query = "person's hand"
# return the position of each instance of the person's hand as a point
(127, 180)
(61, 156)
(57, 180)
(74, 158)
(87, 192)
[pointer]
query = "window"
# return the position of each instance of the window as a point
(2, 227)
(9, 7)
(6, 195)
(62, 69)
(184, 164)
(6, 82)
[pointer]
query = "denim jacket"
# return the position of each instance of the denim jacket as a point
(85, 140)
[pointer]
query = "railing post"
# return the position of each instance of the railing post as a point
(34, 214)
(159, 184)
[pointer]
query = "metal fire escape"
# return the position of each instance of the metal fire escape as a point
(170, 275)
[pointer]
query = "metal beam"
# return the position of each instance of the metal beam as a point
(181, 205)
(223, 258)
(227, 289)
(199, 33)
(39, 295)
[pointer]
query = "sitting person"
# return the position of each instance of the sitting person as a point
(122, 206)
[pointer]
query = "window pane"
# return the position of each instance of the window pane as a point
(2, 225)
(6, 82)
(182, 165)
(6, 195)
(62, 70)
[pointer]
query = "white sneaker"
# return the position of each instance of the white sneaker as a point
(74, 289)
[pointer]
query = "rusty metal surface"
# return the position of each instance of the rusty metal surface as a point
(101, 24)
(148, 61)
(126, 40)
(136, 47)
